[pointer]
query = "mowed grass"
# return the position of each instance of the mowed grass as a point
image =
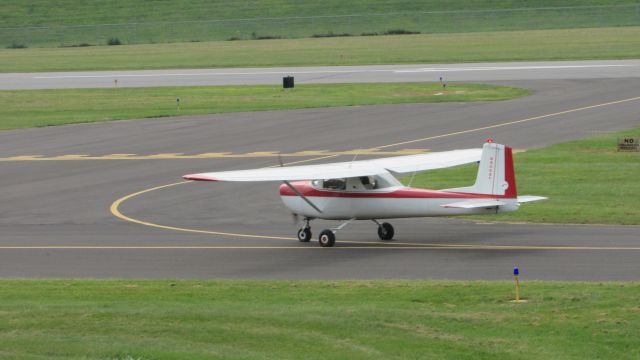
(587, 182)
(118, 319)
(36, 108)
(41, 23)
(594, 43)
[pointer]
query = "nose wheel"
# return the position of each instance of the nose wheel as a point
(304, 234)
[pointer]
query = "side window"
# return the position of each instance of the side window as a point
(369, 182)
(335, 184)
(382, 182)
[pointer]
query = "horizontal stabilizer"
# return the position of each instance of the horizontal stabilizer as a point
(530, 198)
(474, 204)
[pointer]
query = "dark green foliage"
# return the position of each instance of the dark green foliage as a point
(114, 41)
(330, 34)
(15, 45)
(400, 32)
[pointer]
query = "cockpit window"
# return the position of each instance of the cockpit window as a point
(361, 183)
(335, 184)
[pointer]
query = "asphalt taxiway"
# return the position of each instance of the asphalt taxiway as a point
(64, 214)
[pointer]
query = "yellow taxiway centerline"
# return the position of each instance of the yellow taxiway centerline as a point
(380, 246)
(212, 155)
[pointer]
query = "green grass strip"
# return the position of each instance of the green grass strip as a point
(594, 43)
(587, 182)
(42, 23)
(88, 319)
(35, 108)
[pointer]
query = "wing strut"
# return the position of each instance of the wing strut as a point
(302, 196)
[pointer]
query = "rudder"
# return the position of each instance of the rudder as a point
(496, 175)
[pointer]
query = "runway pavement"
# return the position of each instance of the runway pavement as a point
(57, 216)
(547, 70)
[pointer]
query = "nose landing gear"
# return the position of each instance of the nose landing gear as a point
(304, 234)
(327, 237)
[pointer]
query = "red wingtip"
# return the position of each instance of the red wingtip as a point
(198, 177)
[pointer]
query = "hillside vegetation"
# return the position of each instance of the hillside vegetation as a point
(41, 23)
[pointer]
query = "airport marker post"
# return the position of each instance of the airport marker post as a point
(516, 275)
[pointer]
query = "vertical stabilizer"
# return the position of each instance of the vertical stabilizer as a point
(495, 174)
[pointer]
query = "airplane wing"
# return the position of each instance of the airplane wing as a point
(474, 204)
(398, 164)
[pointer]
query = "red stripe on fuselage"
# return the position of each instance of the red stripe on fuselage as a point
(404, 193)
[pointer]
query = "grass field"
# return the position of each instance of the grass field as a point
(35, 108)
(88, 319)
(41, 23)
(587, 182)
(601, 43)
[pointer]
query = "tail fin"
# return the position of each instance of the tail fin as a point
(495, 174)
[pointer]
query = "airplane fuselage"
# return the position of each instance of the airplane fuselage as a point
(387, 203)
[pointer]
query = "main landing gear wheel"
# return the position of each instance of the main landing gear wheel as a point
(327, 238)
(385, 231)
(304, 234)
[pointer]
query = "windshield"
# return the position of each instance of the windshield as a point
(360, 183)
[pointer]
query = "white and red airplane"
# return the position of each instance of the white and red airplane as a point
(370, 190)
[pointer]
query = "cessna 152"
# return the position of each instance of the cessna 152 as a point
(369, 189)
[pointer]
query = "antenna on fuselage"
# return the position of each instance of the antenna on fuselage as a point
(354, 158)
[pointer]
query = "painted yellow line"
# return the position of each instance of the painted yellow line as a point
(116, 204)
(116, 212)
(315, 247)
(216, 155)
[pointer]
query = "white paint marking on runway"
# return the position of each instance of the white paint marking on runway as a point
(509, 68)
(213, 74)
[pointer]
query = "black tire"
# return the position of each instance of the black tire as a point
(327, 238)
(385, 232)
(304, 235)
